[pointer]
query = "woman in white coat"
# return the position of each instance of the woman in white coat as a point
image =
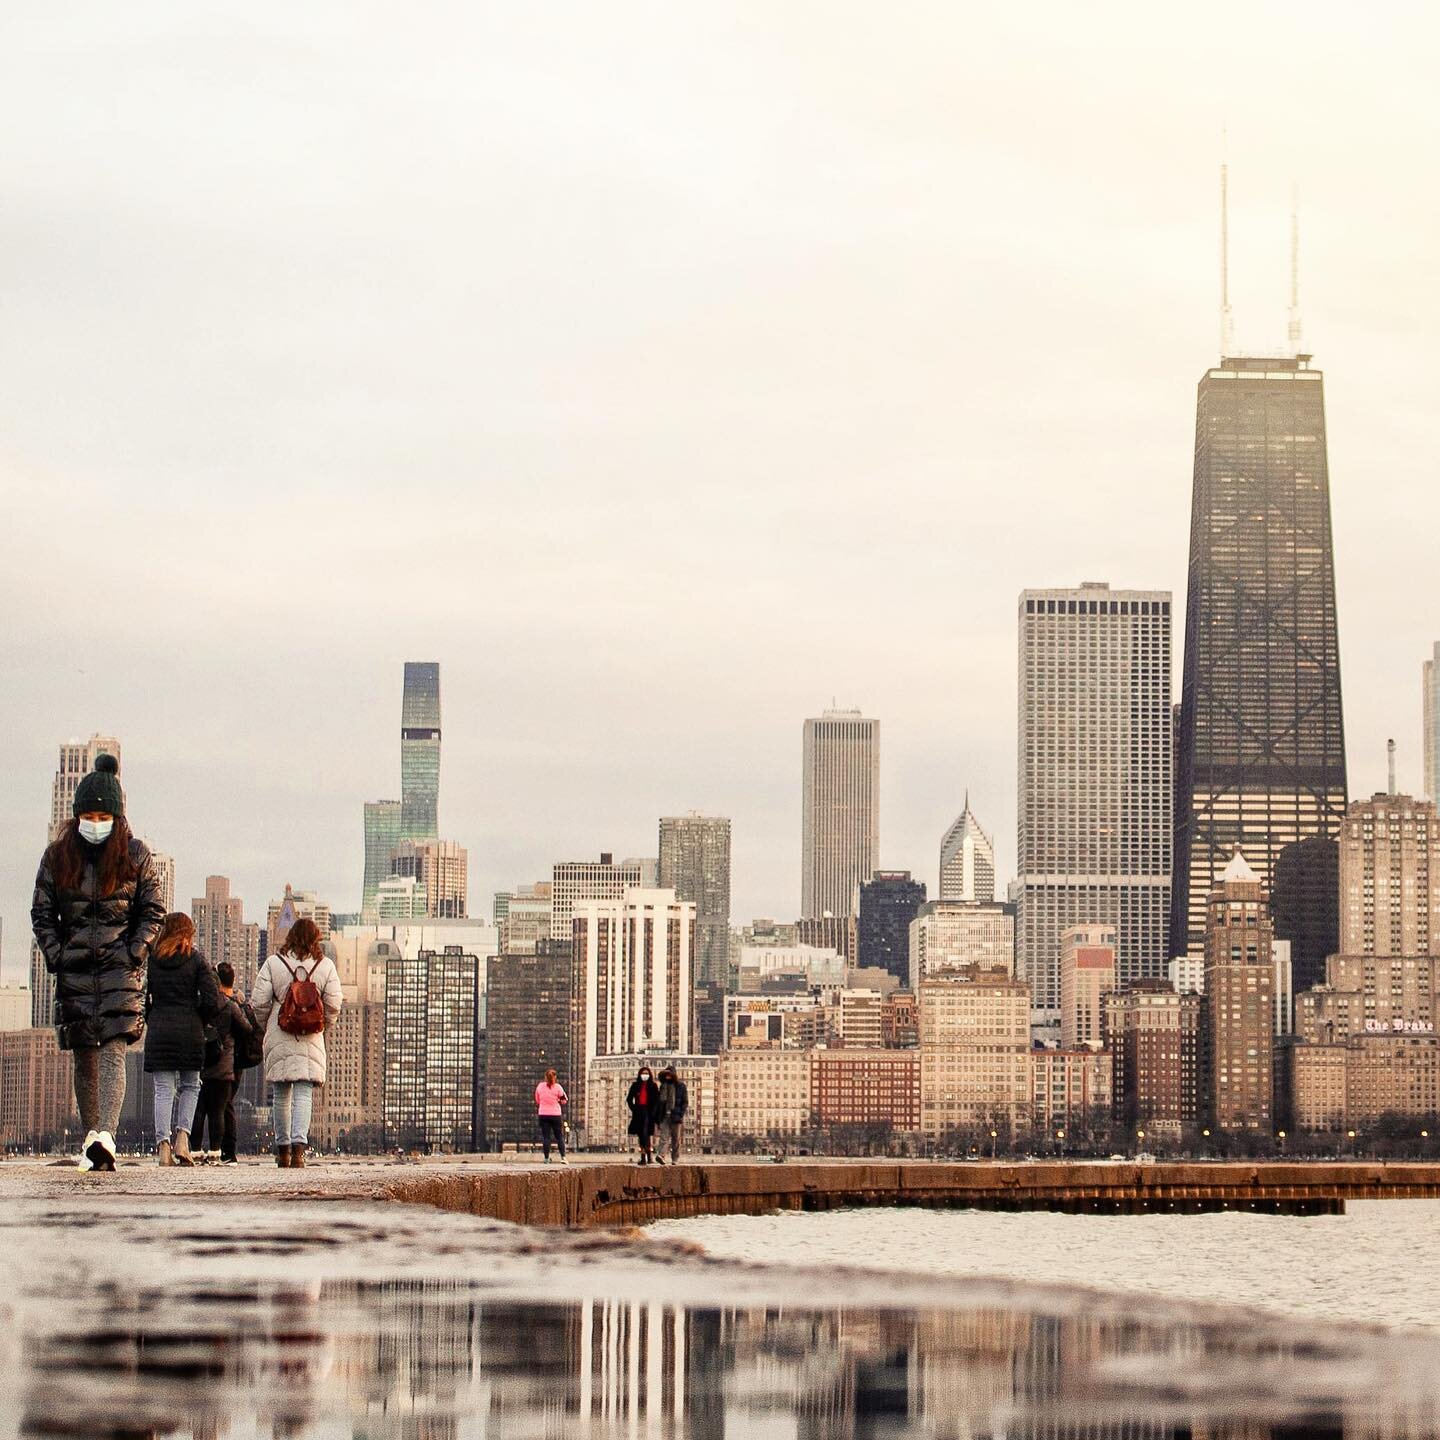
(295, 1062)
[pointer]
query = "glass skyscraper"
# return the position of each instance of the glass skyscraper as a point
(1261, 740)
(420, 752)
(382, 836)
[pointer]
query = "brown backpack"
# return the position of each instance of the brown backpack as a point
(302, 1011)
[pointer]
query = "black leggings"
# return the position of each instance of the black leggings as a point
(552, 1128)
(217, 1115)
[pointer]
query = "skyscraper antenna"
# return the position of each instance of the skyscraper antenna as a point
(1297, 344)
(1390, 756)
(1226, 329)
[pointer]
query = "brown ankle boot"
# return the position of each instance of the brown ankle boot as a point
(182, 1148)
(163, 1150)
(282, 1156)
(297, 1157)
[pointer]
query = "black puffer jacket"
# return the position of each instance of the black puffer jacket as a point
(183, 994)
(96, 947)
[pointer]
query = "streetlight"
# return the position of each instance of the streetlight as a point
(1140, 1141)
(1351, 1134)
(1280, 1134)
(993, 1136)
(1060, 1138)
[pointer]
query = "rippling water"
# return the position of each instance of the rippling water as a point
(1377, 1263)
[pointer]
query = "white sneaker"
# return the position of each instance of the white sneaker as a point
(86, 1163)
(102, 1151)
(562, 1159)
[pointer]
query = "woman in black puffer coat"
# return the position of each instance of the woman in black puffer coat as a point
(182, 995)
(97, 907)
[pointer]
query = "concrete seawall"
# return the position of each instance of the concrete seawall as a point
(618, 1194)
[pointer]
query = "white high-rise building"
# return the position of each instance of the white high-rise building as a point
(967, 860)
(572, 881)
(633, 962)
(840, 827)
(165, 874)
(1096, 781)
(14, 1007)
(949, 936)
(1431, 677)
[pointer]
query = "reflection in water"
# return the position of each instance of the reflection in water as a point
(434, 1360)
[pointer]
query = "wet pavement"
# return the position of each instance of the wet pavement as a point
(261, 1303)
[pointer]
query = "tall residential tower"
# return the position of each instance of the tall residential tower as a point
(1095, 778)
(695, 864)
(1260, 752)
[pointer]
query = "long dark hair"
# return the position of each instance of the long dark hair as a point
(66, 858)
(303, 941)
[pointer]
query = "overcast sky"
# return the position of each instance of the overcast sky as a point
(664, 372)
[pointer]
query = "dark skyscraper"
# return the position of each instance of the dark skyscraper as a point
(420, 752)
(1261, 742)
(889, 901)
(695, 864)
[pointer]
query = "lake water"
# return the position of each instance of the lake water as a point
(1379, 1263)
(234, 1318)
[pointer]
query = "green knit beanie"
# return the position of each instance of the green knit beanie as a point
(100, 789)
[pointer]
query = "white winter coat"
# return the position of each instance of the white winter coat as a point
(294, 1057)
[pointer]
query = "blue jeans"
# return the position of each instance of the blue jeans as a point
(291, 1104)
(167, 1083)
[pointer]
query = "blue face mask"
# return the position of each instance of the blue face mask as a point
(97, 832)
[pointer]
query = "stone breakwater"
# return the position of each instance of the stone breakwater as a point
(619, 1194)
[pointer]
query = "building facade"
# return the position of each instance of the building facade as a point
(572, 881)
(974, 1054)
(870, 1089)
(1430, 734)
(833, 932)
(14, 1007)
(1096, 787)
(840, 811)
(37, 1089)
(763, 1093)
(633, 979)
(420, 752)
(611, 1077)
(1261, 743)
(1073, 1091)
(889, 902)
(442, 870)
(952, 935)
(433, 1060)
(1155, 1038)
(350, 1106)
(530, 1030)
(1087, 976)
(383, 830)
(695, 864)
(1239, 1030)
(222, 933)
(1390, 877)
(967, 860)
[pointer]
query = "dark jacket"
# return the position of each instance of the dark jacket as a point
(644, 1116)
(183, 994)
(220, 1039)
(674, 1100)
(96, 947)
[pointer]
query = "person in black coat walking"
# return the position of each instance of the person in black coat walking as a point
(217, 1080)
(97, 907)
(182, 996)
(644, 1102)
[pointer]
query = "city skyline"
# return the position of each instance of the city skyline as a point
(759, 535)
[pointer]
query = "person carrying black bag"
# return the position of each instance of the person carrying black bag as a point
(218, 1079)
